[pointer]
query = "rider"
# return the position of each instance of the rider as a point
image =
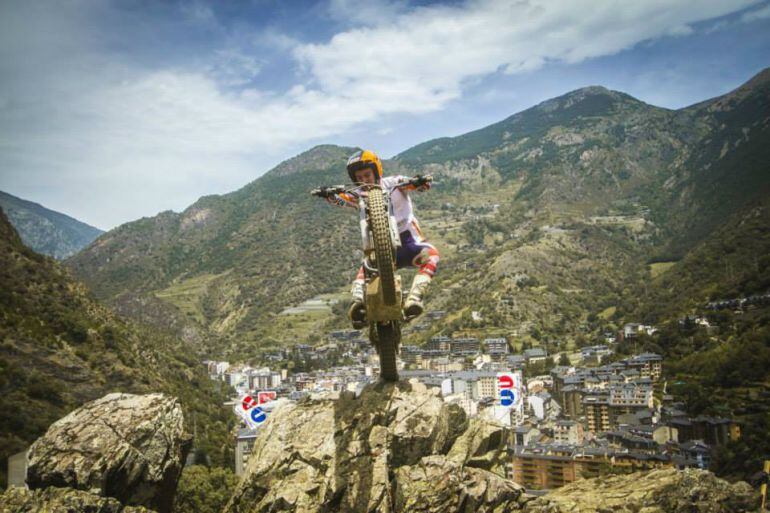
(364, 167)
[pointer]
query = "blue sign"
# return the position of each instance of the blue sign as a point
(507, 397)
(257, 415)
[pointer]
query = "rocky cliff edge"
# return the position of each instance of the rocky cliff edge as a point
(395, 448)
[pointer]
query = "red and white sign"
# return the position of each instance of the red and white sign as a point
(505, 381)
(248, 402)
(509, 389)
(266, 396)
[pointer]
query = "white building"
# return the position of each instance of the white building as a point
(540, 404)
(235, 378)
(568, 432)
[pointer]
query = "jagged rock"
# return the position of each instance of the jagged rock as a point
(482, 445)
(658, 491)
(61, 500)
(399, 448)
(421, 424)
(130, 447)
(339, 455)
(438, 485)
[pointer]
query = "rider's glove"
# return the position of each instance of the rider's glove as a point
(421, 183)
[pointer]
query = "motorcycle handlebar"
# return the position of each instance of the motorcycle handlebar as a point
(420, 180)
(328, 191)
(325, 192)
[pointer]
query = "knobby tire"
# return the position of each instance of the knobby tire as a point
(383, 245)
(388, 333)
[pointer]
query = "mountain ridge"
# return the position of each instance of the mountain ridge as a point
(45, 230)
(616, 180)
(603, 97)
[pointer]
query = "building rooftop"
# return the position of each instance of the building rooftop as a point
(535, 352)
(646, 357)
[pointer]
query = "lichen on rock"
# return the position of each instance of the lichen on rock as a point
(126, 446)
(61, 500)
(657, 491)
(357, 454)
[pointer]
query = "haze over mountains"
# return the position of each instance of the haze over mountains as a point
(544, 219)
(47, 231)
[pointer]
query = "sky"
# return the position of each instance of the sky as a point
(115, 110)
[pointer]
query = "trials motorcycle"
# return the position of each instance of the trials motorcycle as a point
(382, 284)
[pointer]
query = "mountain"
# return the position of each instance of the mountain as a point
(229, 262)
(46, 231)
(554, 225)
(610, 190)
(534, 123)
(59, 348)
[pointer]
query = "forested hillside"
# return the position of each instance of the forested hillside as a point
(59, 348)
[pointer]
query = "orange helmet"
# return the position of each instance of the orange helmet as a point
(363, 159)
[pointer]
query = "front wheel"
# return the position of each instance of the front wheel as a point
(383, 245)
(388, 339)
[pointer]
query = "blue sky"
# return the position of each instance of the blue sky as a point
(115, 110)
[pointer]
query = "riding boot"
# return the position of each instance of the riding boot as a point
(357, 310)
(413, 305)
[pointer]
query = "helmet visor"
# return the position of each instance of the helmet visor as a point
(361, 164)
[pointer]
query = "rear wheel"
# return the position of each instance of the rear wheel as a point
(383, 245)
(388, 338)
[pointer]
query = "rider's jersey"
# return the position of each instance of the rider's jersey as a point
(399, 199)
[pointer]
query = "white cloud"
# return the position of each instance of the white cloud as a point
(84, 116)
(422, 59)
(762, 13)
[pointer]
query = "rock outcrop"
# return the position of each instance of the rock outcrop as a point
(385, 451)
(128, 447)
(395, 448)
(482, 445)
(658, 491)
(438, 485)
(400, 448)
(61, 500)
